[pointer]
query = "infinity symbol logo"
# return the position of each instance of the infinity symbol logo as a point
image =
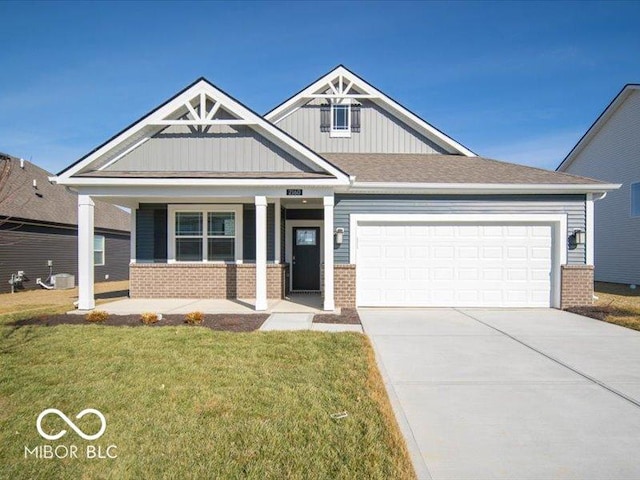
(71, 424)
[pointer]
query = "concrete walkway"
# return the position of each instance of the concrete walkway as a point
(511, 394)
(302, 321)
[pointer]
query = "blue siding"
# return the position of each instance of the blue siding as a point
(572, 205)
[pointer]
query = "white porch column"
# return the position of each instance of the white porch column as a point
(589, 227)
(278, 231)
(132, 238)
(261, 253)
(85, 253)
(328, 253)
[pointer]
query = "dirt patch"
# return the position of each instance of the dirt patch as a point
(219, 322)
(348, 316)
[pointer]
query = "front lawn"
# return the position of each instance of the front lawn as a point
(184, 402)
(617, 303)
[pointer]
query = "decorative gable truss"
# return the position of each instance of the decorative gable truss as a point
(341, 85)
(199, 110)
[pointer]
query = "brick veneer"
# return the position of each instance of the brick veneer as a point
(344, 285)
(577, 285)
(179, 280)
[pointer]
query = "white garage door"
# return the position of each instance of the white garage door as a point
(453, 265)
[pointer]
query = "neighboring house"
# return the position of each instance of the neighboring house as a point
(38, 224)
(339, 189)
(610, 151)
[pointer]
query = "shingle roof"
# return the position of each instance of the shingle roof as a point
(48, 202)
(424, 168)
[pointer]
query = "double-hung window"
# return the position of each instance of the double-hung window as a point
(340, 120)
(210, 234)
(98, 250)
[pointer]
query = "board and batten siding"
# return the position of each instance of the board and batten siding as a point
(613, 156)
(28, 247)
(571, 205)
(152, 231)
(219, 149)
(380, 132)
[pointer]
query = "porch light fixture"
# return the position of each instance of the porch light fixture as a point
(339, 235)
(580, 236)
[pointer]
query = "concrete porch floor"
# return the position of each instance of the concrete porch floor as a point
(300, 303)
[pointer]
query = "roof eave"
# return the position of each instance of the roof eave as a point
(480, 188)
(210, 182)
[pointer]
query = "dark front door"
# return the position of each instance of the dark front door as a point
(306, 258)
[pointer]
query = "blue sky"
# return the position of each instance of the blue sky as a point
(514, 81)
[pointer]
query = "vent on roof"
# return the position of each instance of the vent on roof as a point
(22, 163)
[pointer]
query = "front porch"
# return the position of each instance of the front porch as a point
(294, 303)
(229, 253)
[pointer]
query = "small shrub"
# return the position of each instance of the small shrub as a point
(149, 318)
(96, 316)
(194, 318)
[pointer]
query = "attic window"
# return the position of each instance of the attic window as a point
(340, 119)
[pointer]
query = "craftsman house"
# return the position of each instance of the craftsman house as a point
(339, 191)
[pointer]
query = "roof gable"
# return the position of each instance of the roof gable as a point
(199, 108)
(599, 123)
(342, 83)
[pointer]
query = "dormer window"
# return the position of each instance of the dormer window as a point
(340, 120)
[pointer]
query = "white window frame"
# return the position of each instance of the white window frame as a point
(204, 209)
(344, 133)
(631, 212)
(104, 249)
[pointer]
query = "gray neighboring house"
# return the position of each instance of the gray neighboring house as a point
(339, 191)
(610, 151)
(38, 223)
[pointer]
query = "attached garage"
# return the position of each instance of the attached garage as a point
(457, 260)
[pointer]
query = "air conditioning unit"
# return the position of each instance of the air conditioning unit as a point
(64, 281)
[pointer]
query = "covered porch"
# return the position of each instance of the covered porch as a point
(274, 249)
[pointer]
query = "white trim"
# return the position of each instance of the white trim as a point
(278, 234)
(590, 228)
(204, 208)
(132, 237)
(318, 88)
(328, 203)
(230, 121)
(288, 244)
(340, 133)
(485, 188)
(558, 221)
(261, 253)
(86, 300)
(243, 113)
(236, 182)
(128, 150)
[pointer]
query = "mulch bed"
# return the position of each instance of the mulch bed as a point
(347, 316)
(219, 322)
(599, 312)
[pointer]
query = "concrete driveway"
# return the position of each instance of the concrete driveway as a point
(511, 394)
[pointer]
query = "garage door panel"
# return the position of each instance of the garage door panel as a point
(454, 265)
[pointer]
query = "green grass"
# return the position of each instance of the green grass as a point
(187, 402)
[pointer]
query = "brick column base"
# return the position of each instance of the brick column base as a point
(577, 286)
(180, 280)
(344, 281)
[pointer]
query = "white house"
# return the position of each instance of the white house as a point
(340, 191)
(610, 151)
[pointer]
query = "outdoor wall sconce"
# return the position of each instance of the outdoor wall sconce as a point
(339, 235)
(580, 236)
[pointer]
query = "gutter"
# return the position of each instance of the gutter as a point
(483, 188)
